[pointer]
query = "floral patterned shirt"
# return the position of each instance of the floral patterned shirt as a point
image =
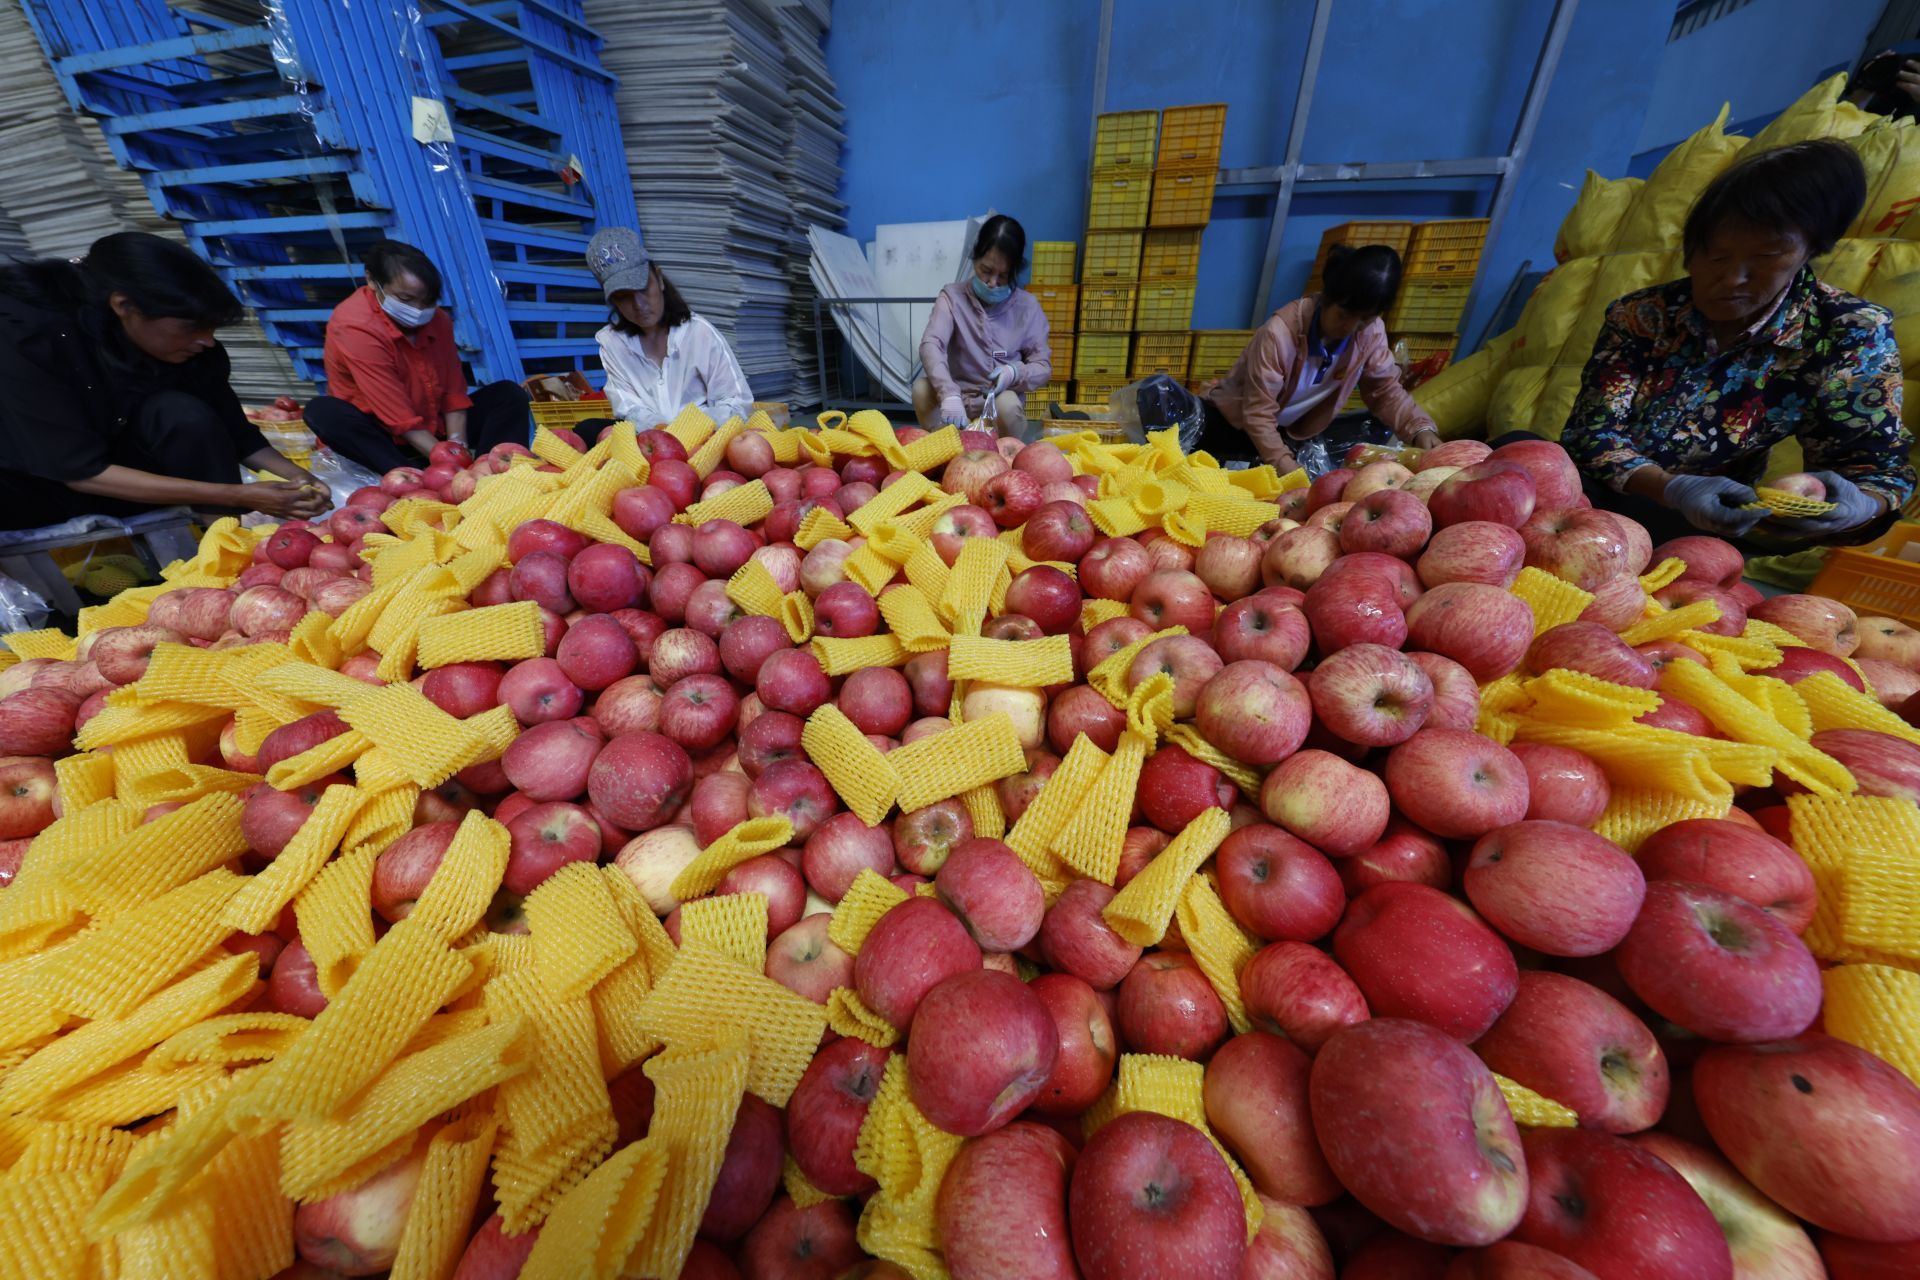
(1823, 367)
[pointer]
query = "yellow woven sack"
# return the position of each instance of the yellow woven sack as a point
(1850, 264)
(1818, 114)
(1555, 403)
(1619, 275)
(1660, 211)
(1552, 311)
(1513, 401)
(1456, 398)
(1595, 218)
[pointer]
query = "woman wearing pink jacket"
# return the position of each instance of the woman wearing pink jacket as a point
(1305, 362)
(986, 340)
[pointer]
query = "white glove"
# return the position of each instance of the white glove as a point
(1004, 376)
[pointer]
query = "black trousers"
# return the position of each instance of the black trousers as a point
(498, 416)
(170, 433)
(1219, 437)
(589, 429)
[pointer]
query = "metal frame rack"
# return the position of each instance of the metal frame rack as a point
(1283, 179)
(223, 109)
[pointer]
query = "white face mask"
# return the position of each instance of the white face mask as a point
(407, 317)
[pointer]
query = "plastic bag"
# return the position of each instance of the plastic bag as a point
(1594, 220)
(341, 475)
(1456, 398)
(1329, 449)
(21, 608)
(1890, 150)
(1154, 404)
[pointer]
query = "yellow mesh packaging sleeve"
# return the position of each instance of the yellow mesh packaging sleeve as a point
(50, 642)
(1109, 675)
(817, 526)
(1141, 910)
(1029, 664)
(970, 582)
(1534, 1110)
(748, 839)
(108, 970)
(41, 1218)
(156, 856)
(83, 779)
(95, 1046)
(869, 897)
(1150, 707)
(1876, 1007)
(746, 504)
(935, 450)
(317, 685)
(1835, 704)
(734, 924)
(579, 936)
(891, 501)
(1881, 908)
(913, 621)
(431, 745)
(551, 449)
(920, 521)
(796, 615)
(848, 1015)
(464, 883)
(867, 567)
(409, 973)
(1091, 842)
(557, 1113)
(497, 632)
(927, 571)
(860, 773)
(229, 1039)
(957, 759)
(696, 1094)
(259, 902)
(1671, 622)
(595, 1227)
(1033, 835)
(983, 806)
(1576, 698)
(1634, 813)
(1552, 600)
(449, 1192)
(1740, 719)
(355, 1143)
(752, 588)
(706, 988)
(707, 458)
(1219, 945)
(839, 657)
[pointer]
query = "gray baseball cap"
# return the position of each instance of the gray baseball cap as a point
(618, 260)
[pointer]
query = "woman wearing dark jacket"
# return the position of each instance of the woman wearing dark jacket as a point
(117, 399)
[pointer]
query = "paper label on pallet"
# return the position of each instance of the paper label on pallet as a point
(430, 121)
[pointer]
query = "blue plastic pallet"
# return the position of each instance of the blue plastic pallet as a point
(285, 146)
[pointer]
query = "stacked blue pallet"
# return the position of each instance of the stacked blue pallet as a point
(286, 136)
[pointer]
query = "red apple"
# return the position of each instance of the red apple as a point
(912, 949)
(1299, 557)
(1483, 628)
(1355, 608)
(1763, 1239)
(1175, 788)
(1230, 566)
(1797, 663)
(1002, 1207)
(1555, 478)
(1011, 498)
(639, 779)
(1254, 711)
(796, 791)
(1473, 551)
(1058, 531)
(1175, 597)
(1456, 698)
(492, 1254)
(1114, 568)
(1496, 491)
(1257, 1104)
(1417, 953)
(1332, 805)
(1733, 615)
(1167, 1006)
(1387, 1086)
(992, 893)
(1277, 886)
(1088, 1049)
(1386, 520)
(1563, 785)
(357, 1232)
(1370, 694)
(924, 838)
(826, 1110)
(540, 691)
(545, 838)
(552, 761)
(1456, 783)
(1297, 991)
(1260, 627)
(1880, 763)
(1075, 937)
(1577, 1045)
(1584, 547)
(968, 474)
(1713, 561)
(1084, 710)
(1151, 1196)
(981, 1050)
(1718, 965)
(1823, 624)
(1554, 887)
(1850, 1259)
(805, 960)
(1603, 1202)
(1735, 859)
(1046, 595)
(1403, 852)
(1590, 648)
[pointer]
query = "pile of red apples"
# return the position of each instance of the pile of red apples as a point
(1427, 906)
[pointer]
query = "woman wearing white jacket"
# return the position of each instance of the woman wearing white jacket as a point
(659, 357)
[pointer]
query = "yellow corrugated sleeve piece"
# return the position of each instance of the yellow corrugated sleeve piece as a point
(49, 642)
(843, 656)
(697, 1091)
(707, 458)
(733, 923)
(1109, 675)
(1664, 574)
(443, 1206)
(429, 745)
(890, 502)
(861, 774)
(1219, 945)
(579, 935)
(1091, 842)
(1141, 910)
(706, 989)
(817, 526)
(1064, 795)
(983, 806)
(748, 839)
(1552, 600)
(913, 621)
(691, 427)
(971, 581)
(1028, 664)
(1173, 1087)
(1876, 1007)
(1575, 698)
(1671, 622)
(796, 615)
(752, 588)
(157, 855)
(1634, 813)
(1835, 704)
(746, 504)
(468, 876)
(1734, 716)
(869, 897)
(871, 570)
(83, 779)
(110, 968)
(1534, 1110)
(934, 450)
(259, 902)
(956, 760)
(596, 1225)
(494, 633)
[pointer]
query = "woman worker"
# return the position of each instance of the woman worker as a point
(986, 340)
(117, 399)
(659, 357)
(1692, 382)
(1306, 360)
(394, 382)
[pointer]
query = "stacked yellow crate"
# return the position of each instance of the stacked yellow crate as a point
(1117, 212)
(1051, 283)
(1185, 167)
(1395, 235)
(1214, 352)
(1442, 258)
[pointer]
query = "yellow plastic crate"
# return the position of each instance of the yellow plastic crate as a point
(1217, 350)
(1166, 353)
(1448, 249)
(1428, 306)
(1101, 355)
(1171, 255)
(1121, 200)
(1048, 397)
(1107, 308)
(1422, 345)
(1052, 262)
(1112, 255)
(1191, 135)
(1125, 139)
(1164, 306)
(1182, 197)
(1395, 235)
(1060, 349)
(1058, 301)
(1096, 390)
(566, 413)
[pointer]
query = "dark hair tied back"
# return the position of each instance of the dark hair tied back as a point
(1810, 189)
(388, 260)
(1009, 237)
(1363, 279)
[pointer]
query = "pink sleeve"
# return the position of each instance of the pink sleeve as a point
(933, 348)
(1269, 361)
(1387, 399)
(1036, 357)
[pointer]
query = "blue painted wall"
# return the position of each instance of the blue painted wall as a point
(951, 109)
(1759, 59)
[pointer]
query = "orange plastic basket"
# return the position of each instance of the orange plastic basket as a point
(1878, 579)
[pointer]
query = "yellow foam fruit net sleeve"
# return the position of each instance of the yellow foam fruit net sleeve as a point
(957, 759)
